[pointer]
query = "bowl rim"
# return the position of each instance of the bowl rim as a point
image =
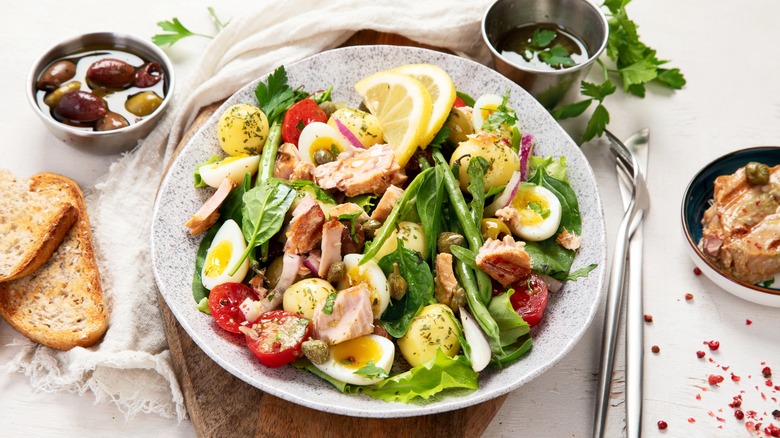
(592, 58)
(46, 58)
(687, 230)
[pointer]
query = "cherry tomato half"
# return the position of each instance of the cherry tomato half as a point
(224, 300)
(530, 298)
(279, 337)
(298, 116)
(459, 103)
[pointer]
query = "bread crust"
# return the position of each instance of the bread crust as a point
(46, 236)
(61, 305)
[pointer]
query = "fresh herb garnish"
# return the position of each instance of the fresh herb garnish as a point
(542, 37)
(557, 56)
(539, 209)
(176, 31)
(352, 219)
(502, 114)
(327, 308)
(635, 64)
(275, 96)
(372, 371)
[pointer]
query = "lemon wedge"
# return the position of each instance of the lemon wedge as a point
(442, 90)
(403, 106)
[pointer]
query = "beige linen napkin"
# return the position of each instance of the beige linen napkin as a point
(131, 366)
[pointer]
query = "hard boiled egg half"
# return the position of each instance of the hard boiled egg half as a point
(539, 210)
(231, 167)
(318, 136)
(223, 255)
(360, 361)
(371, 274)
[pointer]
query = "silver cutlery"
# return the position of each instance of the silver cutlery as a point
(638, 203)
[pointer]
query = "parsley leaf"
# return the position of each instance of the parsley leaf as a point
(502, 114)
(174, 30)
(352, 218)
(372, 371)
(571, 110)
(557, 56)
(275, 96)
(597, 123)
(542, 37)
(327, 308)
(639, 72)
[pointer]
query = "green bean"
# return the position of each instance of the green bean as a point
(268, 157)
(477, 307)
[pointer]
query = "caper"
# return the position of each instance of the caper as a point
(111, 121)
(316, 351)
(458, 299)
(757, 173)
(329, 107)
(323, 156)
(336, 272)
(370, 226)
(396, 283)
(144, 103)
(447, 239)
(52, 98)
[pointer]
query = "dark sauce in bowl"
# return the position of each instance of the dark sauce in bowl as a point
(125, 105)
(520, 46)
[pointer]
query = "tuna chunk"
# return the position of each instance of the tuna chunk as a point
(569, 240)
(504, 260)
(302, 170)
(369, 171)
(331, 245)
(208, 214)
(445, 281)
(386, 203)
(351, 316)
(305, 227)
(348, 208)
(286, 160)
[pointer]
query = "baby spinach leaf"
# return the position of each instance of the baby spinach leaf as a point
(198, 290)
(233, 205)
(429, 209)
(419, 281)
(310, 186)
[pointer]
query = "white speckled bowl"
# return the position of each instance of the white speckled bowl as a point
(568, 314)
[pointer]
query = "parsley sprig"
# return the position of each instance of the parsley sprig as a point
(633, 65)
(174, 30)
(502, 114)
(275, 96)
(555, 56)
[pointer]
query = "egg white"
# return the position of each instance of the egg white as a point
(231, 167)
(483, 107)
(371, 274)
(223, 254)
(534, 227)
(382, 356)
(318, 135)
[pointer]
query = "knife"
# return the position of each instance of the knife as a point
(638, 144)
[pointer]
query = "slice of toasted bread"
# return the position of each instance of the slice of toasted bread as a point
(33, 222)
(60, 305)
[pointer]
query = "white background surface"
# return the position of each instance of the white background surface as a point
(732, 100)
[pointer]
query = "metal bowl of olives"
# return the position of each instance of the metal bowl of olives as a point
(101, 92)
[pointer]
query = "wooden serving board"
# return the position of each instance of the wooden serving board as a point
(220, 404)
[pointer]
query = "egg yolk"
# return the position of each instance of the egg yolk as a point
(324, 143)
(533, 208)
(487, 110)
(229, 160)
(356, 353)
(218, 259)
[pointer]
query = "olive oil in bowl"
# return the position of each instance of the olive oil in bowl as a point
(542, 46)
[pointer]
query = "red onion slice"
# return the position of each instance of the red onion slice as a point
(506, 197)
(348, 134)
(526, 144)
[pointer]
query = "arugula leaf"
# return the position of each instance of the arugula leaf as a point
(198, 179)
(372, 371)
(542, 37)
(275, 96)
(424, 381)
(419, 280)
(502, 114)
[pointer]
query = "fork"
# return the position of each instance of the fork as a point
(636, 207)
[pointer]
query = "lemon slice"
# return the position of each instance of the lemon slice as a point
(442, 90)
(403, 106)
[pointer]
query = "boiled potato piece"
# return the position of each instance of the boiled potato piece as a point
(433, 328)
(364, 126)
(410, 233)
(503, 160)
(303, 296)
(242, 130)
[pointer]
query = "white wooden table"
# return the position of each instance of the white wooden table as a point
(729, 56)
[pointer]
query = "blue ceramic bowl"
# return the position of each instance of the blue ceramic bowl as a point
(697, 199)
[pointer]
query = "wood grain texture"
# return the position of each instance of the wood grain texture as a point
(220, 404)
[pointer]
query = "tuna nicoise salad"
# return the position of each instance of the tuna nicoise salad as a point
(419, 223)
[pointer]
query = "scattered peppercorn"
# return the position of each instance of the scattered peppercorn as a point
(655, 349)
(714, 345)
(700, 354)
(776, 414)
(662, 425)
(739, 414)
(688, 296)
(714, 379)
(767, 372)
(648, 318)
(697, 271)
(748, 322)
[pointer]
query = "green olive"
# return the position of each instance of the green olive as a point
(273, 272)
(323, 156)
(370, 226)
(144, 103)
(52, 98)
(396, 283)
(329, 107)
(447, 239)
(336, 272)
(459, 124)
(757, 173)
